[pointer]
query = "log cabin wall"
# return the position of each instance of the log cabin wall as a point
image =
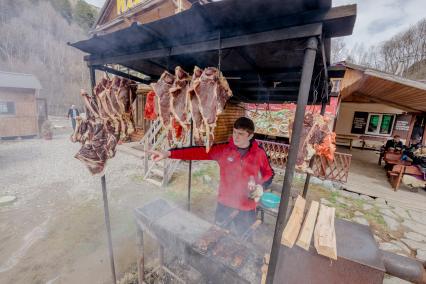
(23, 120)
(143, 11)
(225, 122)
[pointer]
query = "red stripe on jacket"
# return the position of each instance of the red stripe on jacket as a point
(235, 170)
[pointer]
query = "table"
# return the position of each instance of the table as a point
(364, 138)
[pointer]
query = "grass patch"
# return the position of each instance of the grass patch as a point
(358, 203)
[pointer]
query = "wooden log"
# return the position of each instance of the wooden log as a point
(325, 235)
(308, 227)
(291, 230)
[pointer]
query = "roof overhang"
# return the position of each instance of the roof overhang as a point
(260, 48)
(380, 87)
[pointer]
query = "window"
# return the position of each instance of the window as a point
(380, 124)
(7, 108)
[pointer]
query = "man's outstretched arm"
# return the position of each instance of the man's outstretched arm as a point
(189, 153)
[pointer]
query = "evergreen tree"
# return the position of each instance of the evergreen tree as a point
(85, 15)
(63, 7)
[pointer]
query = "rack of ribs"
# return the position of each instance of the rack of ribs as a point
(108, 119)
(212, 91)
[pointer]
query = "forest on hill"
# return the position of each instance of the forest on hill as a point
(34, 36)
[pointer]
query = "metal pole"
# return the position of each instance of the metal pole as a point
(323, 106)
(311, 162)
(305, 84)
(108, 227)
(190, 168)
(105, 197)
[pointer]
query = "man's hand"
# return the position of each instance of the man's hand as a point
(257, 193)
(158, 155)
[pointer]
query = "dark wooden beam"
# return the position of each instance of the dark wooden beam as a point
(210, 45)
(265, 90)
(121, 74)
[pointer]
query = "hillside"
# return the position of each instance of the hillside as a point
(34, 36)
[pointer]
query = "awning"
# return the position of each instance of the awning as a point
(361, 84)
(258, 45)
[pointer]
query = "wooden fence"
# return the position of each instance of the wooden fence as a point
(336, 170)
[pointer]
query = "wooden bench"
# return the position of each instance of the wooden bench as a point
(346, 138)
(399, 170)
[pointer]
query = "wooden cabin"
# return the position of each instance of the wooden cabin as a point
(118, 14)
(18, 105)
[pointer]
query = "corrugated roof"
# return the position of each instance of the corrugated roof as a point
(19, 80)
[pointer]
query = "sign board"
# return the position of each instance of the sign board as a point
(125, 5)
(360, 122)
(402, 125)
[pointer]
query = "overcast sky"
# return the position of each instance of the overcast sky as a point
(377, 20)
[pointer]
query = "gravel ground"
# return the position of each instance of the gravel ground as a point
(55, 232)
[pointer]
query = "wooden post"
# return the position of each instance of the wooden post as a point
(410, 130)
(302, 100)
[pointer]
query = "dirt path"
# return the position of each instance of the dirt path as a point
(55, 232)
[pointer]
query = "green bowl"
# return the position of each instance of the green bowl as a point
(270, 200)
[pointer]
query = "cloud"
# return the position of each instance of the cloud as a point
(379, 20)
(381, 25)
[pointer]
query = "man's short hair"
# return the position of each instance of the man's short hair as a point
(396, 136)
(244, 123)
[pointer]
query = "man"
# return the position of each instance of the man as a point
(73, 113)
(241, 161)
(394, 143)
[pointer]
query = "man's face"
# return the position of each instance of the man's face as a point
(241, 138)
(396, 139)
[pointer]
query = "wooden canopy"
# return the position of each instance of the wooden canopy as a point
(258, 45)
(361, 84)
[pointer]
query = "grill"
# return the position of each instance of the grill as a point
(222, 258)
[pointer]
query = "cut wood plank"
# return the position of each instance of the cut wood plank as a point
(325, 235)
(264, 273)
(308, 227)
(291, 230)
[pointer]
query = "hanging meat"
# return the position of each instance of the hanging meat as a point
(161, 89)
(178, 96)
(201, 98)
(179, 106)
(193, 103)
(316, 139)
(108, 119)
(212, 91)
